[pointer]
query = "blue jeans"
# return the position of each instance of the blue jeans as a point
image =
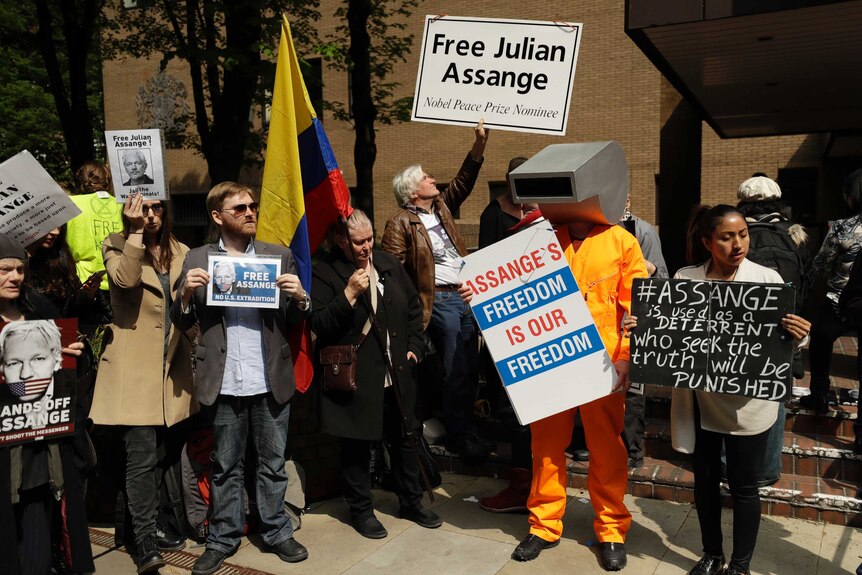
(454, 335)
(268, 421)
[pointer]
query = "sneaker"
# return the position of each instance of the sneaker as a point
(421, 517)
(613, 556)
(513, 498)
(209, 562)
(531, 546)
(581, 455)
(148, 557)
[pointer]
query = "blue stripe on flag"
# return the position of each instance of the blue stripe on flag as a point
(302, 253)
(315, 156)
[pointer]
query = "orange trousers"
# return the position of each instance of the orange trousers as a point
(608, 474)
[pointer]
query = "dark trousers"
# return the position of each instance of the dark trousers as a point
(827, 327)
(151, 451)
(454, 335)
(745, 456)
(356, 458)
(33, 514)
(633, 432)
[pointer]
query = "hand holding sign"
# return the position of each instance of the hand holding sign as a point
(290, 284)
(797, 327)
(481, 132)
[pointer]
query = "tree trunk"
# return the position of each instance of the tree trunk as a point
(364, 110)
(72, 108)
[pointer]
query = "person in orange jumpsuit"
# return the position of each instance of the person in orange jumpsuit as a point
(604, 260)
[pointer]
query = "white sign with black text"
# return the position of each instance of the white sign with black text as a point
(31, 202)
(137, 164)
(516, 74)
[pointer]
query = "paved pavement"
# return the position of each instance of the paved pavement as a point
(664, 540)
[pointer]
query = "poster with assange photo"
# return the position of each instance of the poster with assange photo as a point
(38, 385)
(137, 163)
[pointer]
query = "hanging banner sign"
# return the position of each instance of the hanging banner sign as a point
(536, 324)
(516, 74)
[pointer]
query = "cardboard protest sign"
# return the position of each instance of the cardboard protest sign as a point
(723, 337)
(536, 324)
(243, 281)
(31, 202)
(137, 164)
(37, 395)
(516, 74)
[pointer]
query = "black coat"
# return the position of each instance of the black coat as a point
(359, 414)
(35, 306)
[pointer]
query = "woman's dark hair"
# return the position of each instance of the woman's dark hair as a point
(167, 241)
(853, 190)
(93, 177)
(757, 209)
(701, 225)
(51, 271)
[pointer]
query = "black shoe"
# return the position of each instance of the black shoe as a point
(735, 571)
(635, 463)
(148, 556)
(370, 527)
(289, 550)
(421, 517)
(209, 562)
(531, 546)
(488, 444)
(613, 556)
(581, 455)
(817, 403)
(708, 565)
(168, 541)
(467, 447)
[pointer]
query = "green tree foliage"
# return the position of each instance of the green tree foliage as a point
(367, 45)
(50, 83)
(228, 46)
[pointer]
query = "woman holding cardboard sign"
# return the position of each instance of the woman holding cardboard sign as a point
(701, 421)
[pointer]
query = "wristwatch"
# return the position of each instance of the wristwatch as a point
(305, 303)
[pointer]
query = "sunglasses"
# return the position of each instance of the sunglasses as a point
(240, 209)
(157, 209)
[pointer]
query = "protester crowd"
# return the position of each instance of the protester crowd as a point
(176, 372)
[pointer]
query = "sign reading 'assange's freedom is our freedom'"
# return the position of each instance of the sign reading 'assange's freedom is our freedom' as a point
(137, 163)
(536, 324)
(31, 202)
(516, 74)
(722, 337)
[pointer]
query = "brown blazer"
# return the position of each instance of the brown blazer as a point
(406, 238)
(131, 387)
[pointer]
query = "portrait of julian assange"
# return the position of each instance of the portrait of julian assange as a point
(136, 164)
(31, 352)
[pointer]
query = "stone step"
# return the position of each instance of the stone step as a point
(812, 498)
(812, 455)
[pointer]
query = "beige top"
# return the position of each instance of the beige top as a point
(719, 412)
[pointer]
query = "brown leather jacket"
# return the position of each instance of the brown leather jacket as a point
(407, 239)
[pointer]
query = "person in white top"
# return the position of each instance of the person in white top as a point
(701, 421)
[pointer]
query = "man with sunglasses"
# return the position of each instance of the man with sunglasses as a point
(244, 376)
